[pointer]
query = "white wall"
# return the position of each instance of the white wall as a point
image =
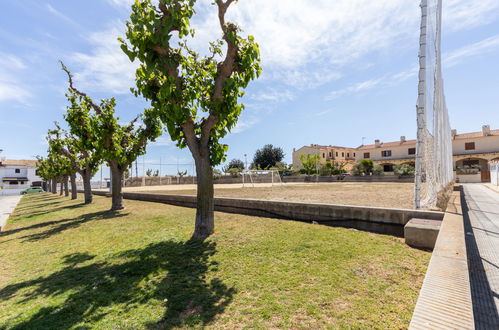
(494, 174)
(482, 144)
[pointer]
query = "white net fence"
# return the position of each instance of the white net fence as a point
(434, 170)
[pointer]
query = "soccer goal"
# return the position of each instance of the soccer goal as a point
(252, 177)
(434, 170)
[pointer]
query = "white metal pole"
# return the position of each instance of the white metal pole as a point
(421, 111)
(160, 171)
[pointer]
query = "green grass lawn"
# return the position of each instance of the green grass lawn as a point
(65, 265)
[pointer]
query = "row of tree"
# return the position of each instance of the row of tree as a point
(195, 97)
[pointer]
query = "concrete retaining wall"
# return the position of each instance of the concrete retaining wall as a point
(383, 220)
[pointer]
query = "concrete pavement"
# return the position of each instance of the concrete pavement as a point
(7, 205)
(481, 218)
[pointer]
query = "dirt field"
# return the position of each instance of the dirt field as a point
(394, 195)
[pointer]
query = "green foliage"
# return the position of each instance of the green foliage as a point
(363, 167)
(404, 170)
(195, 96)
(234, 172)
(309, 163)
(267, 157)
(378, 170)
(331, 168)
(283, 168)
(235, 163)
(100, 134)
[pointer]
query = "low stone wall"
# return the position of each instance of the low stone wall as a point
(348, 178)
(445, 299)
(376, 219)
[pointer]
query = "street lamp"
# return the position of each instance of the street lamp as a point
(245, 162)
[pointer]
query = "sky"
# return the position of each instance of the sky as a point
(334, 72)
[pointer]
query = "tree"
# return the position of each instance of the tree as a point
(119, 145)
(309, 163)
(235, 163)
(195, 96)
(378, 169)
(46, 172)
(363, 167)
(83, 129)
(62, 146)
(149, 172)
(267, 157)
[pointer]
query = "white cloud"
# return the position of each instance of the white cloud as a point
(479, 48)
(162, 141)
(121, 3)
(106, 68)
(57, 13)
(303, 43)
(11, 86)
(273, 95)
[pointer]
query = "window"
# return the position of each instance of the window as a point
(36, 172)
(386, 153)
(412, 151)
(354, 154)
(323, 155)
(471, 162)
(388, 168)
(330, 154)
(469, 146)
(336, 153)
(18, 170)
(367, 155)
(348, 154)
(342, 154)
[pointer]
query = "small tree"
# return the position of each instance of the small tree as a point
(236, 163)
(196, 97)
(367, 166)
(267, 157)
(309, 163)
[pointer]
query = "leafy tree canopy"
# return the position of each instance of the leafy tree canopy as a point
(267, 157)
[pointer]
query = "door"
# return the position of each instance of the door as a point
(485, 175)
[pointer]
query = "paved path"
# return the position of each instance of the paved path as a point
(7, 205)
(481, 217)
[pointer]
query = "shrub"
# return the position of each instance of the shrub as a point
(404, 170)
(378, 170)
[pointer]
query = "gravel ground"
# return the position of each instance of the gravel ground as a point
(393, 195)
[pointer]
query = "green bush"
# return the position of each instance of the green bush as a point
(404, 170)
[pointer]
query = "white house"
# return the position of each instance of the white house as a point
(16, 175)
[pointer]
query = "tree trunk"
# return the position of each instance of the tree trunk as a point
(74, 193)
(54, 187)
(66, 188)
(87, 187)
(205, 217)
(116, 189)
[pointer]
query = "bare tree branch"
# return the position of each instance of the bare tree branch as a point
(87, 98)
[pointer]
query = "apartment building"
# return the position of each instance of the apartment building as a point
(472, 153)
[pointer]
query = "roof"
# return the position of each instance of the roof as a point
(493, 132)
(388, 144)
(19, 162)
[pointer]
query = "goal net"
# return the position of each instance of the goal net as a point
(434, 169)
(254, 177)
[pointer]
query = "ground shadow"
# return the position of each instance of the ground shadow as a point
(125, 281)
(61, 225)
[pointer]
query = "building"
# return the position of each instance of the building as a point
(16, 175)
(472, 153)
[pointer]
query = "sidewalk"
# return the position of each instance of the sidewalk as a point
(481, 218)
(492, 187)
(7, 205)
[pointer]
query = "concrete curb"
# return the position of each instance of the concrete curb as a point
(444, 301)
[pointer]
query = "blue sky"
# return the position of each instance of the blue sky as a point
(334, 71)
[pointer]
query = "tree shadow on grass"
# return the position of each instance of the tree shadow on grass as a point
(61, 225)
(42, 212)
(91, 290)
